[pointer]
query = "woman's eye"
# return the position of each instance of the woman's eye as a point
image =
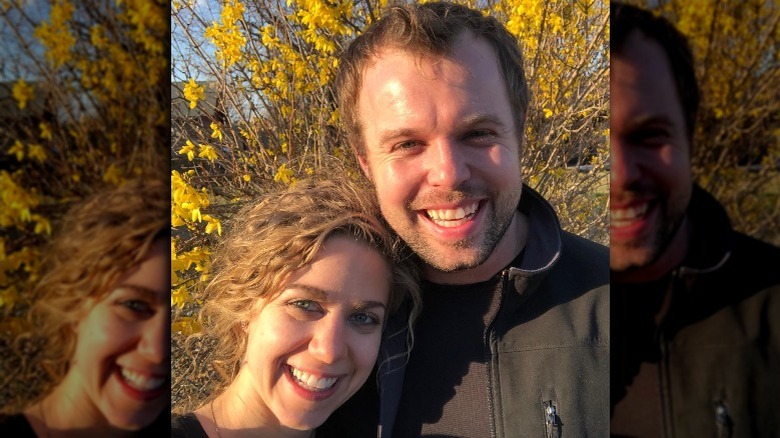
(138, 307)
(306, 305)
(364, 319)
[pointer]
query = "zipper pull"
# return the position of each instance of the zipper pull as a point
(723, 421)
(552, 420)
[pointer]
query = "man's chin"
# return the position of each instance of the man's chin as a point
(462, 264)
(624, 259)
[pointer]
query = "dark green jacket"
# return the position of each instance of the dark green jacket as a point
(549, 344)
(719, 342)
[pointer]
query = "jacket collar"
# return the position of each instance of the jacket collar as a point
(543, 245)
(711, 239)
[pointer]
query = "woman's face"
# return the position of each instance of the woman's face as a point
(122, 355)
(313, 346)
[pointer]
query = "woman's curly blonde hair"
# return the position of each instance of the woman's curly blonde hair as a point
(273, 238)
(98, 240)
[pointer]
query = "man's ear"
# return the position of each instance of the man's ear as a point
(361, 157)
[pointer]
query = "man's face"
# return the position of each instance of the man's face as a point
(650, 184)
(442, 149)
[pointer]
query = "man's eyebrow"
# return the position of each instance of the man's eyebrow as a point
(393, 134)
(467, 122)
(478, 119)
(652, 119)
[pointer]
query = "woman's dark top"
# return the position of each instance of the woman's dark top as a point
(16, 425)
(186, 426)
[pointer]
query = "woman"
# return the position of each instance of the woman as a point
(102, 319)
(300, 293)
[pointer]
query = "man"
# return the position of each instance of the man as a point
(696, 305)
(513, 338)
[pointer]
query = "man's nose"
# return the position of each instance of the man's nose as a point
(623, 164)
(447, 164)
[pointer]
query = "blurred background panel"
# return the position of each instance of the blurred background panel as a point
(736, 153)
(84, 107)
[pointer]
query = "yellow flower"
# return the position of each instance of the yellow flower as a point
(45, 131)
(212, 224)
(22, 92)
(18, 150)
(216, 133)
(113, 175)
(207, 151)
(193, 92)
(247, 177)
(37, 152)
(188, 149)
(42, 225)
(284, 175)
(186, 326)
(180, 297)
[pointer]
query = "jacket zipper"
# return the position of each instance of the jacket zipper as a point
(551, 420)
(723, 422)
(491, 356)
(667, 420)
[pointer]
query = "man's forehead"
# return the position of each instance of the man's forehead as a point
(641, 77)
(466, 48)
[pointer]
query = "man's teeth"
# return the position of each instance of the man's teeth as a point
(312, 383)
(452, 217)
(624, 215)
(142, 382)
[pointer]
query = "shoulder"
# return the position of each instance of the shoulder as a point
(15, 425)
(755, 255)
(186, 426)
(581, 246)
(584, 260)
(751, 266)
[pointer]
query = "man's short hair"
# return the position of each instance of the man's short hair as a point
(624, 19)
(426, 29)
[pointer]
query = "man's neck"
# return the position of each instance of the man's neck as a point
(511, 243)
(671, 258)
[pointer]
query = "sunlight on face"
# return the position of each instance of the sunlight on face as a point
(122, 355)
(314, 345)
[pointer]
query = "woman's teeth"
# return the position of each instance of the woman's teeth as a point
(141, 382)
(312, 383)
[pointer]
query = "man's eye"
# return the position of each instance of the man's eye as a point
(406, 145)
(479, 134)
(650, 136)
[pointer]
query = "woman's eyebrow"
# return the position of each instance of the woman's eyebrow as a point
(365, 305)
(315, 292)
(148, 293)
(324, 296)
